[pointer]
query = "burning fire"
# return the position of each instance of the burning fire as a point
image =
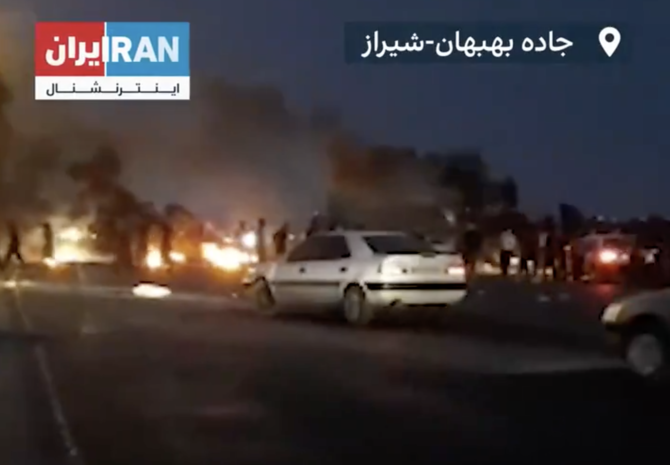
(72, 234)
(70, 247)
(154, 258)
(249, 240)
(226, 258)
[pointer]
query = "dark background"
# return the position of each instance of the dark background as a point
(591, 135)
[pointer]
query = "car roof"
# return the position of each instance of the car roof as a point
(360, 232)
(614, 235)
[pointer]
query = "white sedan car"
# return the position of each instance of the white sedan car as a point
(640, 326)
(360, 272)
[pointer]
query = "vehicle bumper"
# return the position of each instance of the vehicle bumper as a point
(413, 295)
(610, 271)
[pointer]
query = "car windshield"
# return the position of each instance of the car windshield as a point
(398, 244)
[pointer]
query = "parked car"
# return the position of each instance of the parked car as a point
(640, 328)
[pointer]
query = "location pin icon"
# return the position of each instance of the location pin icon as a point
(609, 38)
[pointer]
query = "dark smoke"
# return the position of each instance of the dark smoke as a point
(233, 152)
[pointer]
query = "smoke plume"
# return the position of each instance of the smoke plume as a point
(231, 153)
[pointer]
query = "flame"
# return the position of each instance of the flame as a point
(72, 234)
(71, 247)
(69, 253)
(249, 240)
(226, 258)
(154, 259)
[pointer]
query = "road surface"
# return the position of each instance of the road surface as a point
(517, 373)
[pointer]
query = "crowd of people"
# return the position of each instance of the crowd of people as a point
(538, 251)
(545, 252)
(550, 254)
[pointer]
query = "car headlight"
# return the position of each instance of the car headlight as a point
(612, 312)
(608, 256)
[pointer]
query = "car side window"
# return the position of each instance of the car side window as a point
(333, 248)
(307, 250)
(320, 248)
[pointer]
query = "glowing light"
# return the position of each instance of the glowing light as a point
(456, 270)
(178, 257)
(72, 234)
(51, 262)
(226, 258)
(69, 253)
(608, 256)
(249, 240)
(154, 259)
(151, 291)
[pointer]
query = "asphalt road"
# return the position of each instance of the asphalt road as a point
(518, 372)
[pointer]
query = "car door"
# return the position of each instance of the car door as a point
(291, 284)
(329, 270)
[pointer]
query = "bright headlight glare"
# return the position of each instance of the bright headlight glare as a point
(608, 256)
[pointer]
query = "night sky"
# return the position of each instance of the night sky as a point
(591, 135)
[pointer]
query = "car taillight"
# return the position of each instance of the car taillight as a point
(456, 270)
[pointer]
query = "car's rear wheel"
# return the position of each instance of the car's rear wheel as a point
(647, 352)
(357, 310)
(264, 301)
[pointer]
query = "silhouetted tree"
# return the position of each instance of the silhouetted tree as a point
(573, 220)
(469, 174)
(509, 192)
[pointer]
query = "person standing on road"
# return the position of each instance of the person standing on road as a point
(550, 248)
(508, 244)
(542, 255)
(577, 260)
(472, 243)
(144, 237)
(261, 250)
(528, 251)
(48, 244)
(562, 262)
(166, 244)
(242, 229)
(14, 247)
(280, 238)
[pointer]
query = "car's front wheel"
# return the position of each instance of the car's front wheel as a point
(357, 310)
(647, 352)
